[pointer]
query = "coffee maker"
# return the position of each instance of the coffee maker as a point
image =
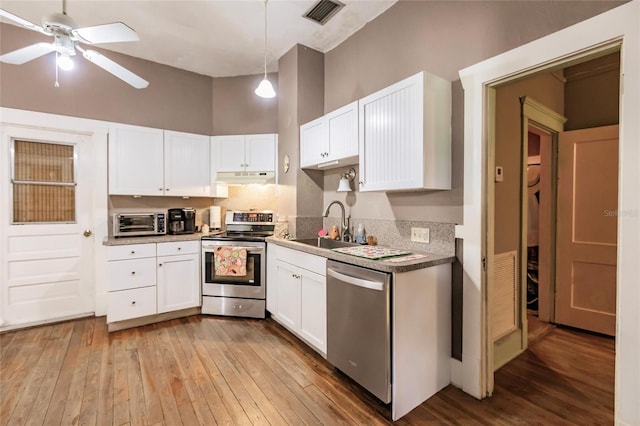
(181, 221)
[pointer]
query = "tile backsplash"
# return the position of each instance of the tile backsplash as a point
(392, 233)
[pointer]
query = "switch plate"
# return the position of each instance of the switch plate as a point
(420, 235)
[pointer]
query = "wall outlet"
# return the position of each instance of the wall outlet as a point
(420, 235)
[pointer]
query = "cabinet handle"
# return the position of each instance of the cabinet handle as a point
(159, 264)
(166, 189)
(133, 272)
(133, 252)
(133, 303)
(159, 189)
(179, 248)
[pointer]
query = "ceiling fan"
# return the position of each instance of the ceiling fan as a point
(67, 39)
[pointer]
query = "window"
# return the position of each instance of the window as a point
(44, 182)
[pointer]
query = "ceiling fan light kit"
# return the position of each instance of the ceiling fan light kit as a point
(265, 88)
(67, 39)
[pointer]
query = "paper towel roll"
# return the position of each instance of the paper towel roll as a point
(215, 221)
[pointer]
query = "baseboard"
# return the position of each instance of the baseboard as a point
(151, 319)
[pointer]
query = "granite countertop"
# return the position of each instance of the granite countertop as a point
(431, 259)
(121, 241)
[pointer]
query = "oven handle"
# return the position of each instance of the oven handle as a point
(248, 249)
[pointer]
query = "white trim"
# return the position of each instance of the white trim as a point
(619, 24)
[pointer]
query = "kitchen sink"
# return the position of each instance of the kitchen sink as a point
(324, 242)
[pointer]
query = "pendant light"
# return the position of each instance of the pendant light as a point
(265, 89)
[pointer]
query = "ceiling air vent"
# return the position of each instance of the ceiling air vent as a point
(323, 10)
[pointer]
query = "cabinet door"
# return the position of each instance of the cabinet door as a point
(343, 134)
(178, 282)
(288, 295)
(229, 153)
(314, 145)
(186, 164)
(391, 138)
(136, 161)
(260, 153)
(313, 309)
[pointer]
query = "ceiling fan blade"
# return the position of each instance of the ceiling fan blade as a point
(23, 22)
(115, 69)
(26, 54)
(107, 33)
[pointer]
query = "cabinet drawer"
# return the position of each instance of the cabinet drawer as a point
(127, 304)
(131, 251)
(128, 274)
(178, 247)
(310, 262)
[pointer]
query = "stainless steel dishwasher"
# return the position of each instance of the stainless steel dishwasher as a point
(358, 326)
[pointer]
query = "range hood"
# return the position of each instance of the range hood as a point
(245, 177)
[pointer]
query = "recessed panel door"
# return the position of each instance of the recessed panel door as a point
(587, 229)
(48, 259)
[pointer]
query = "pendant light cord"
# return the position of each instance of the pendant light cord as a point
(265, 38)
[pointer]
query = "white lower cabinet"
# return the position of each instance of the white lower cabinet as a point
(178, 276)
(296, 294)
(147, 279)
(131, 272)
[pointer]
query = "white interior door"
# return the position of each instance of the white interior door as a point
(587, 224)
(47, 260)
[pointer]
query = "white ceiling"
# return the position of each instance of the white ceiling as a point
(211, 37)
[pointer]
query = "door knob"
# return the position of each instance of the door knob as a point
(87, 232)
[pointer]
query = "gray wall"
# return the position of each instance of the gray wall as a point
(175, 99)
(441, 37)
(301, 82)
(592, 93)
(549, 91)
(237, 109)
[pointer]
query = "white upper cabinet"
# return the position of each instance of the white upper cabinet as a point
(229, 153)
(245, 153)
(331, 140)
(314, 142)
(145, 161)
(405, 136)
(260, 152)
(136, 161)
(186, 164)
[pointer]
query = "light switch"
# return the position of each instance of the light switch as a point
(499, 174)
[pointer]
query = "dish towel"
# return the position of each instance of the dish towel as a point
(230, 261)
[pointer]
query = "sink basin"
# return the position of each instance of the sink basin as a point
(324, 243)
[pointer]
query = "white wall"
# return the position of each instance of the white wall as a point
(621, 24)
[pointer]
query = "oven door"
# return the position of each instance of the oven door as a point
(250, 286)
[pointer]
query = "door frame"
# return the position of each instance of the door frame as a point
(535, 114)
(618, 28)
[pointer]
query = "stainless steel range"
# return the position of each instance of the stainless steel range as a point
(234, 265)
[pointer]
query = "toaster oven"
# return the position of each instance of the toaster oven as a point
(139, 224)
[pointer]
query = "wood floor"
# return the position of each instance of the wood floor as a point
(205, 370)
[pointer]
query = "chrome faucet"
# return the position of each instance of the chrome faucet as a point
(344, 222)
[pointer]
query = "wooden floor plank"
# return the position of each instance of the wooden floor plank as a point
(50, 367)
(18, 367)
(206, 399)
(89, 405)
(121, 412)
(206, 370)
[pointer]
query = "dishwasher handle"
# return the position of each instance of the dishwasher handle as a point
(372, 285)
